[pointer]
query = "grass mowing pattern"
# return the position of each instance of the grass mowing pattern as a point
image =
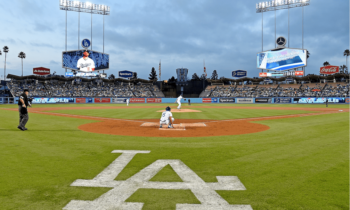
(207, 113)
(299, 163)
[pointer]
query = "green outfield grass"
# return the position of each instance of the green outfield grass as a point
(299, 163)
(206, 113)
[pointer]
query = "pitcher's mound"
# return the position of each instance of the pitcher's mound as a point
(181, 110)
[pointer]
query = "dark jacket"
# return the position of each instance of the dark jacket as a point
(25, 99)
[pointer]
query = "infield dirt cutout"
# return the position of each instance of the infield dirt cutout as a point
(183, 127)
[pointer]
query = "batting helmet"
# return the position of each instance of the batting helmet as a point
(168, 109)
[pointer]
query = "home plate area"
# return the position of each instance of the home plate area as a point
(176, 127)
(181, 110)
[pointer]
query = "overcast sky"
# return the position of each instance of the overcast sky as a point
(182, 33)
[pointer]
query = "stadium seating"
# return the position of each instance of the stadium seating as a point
(84, 90)
(282, 90)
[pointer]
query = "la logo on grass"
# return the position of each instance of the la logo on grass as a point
(122, 190)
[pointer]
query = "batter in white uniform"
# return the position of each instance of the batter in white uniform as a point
(167, 118)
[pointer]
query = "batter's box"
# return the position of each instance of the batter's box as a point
(193, 124)
(176, 127)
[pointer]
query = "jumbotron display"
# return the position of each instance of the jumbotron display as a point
(283, 59)
(85, 61)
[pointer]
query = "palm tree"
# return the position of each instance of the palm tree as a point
(22, 55)
(346, 54)
(343, 69)
(6, 50)
(326, 63)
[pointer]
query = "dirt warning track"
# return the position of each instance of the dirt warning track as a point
(186, 127)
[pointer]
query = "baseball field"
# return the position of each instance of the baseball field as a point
(217, 156)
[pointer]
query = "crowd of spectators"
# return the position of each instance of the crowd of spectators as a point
(38, 89)
(283, 90)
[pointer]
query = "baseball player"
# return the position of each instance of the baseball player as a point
(127, 101)
(85, 63)
(178, 101)
(167, 118)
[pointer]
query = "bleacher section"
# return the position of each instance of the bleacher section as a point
(282, 90)
(84, 90)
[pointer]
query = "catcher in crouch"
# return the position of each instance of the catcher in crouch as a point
(167, 118)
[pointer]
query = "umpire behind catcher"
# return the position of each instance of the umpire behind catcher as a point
(23, 104)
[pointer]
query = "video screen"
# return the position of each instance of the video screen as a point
(85, 61)
(281, 60)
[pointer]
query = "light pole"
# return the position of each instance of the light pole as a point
(6, 50)
(22, 55)
(85, 7)
(1, 54)
(283, 4)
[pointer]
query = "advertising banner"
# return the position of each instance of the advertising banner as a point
(299, 73)
(105, 100)
(262, 74)
(119, 100)
(102, 100)
(80, 100)
(239, 73)
(263, 100)
(319, 100)
(154, 100)
(89, 100)
(245, 100)
(227, 100)
(282, 59)
(347, 100)
(329, 69)
(52, 100)
(80, 74)
(125, 74)
(137, 100)
(206, 100)
(214, 100)
(69, 74)
(41, 71)
(283, 100)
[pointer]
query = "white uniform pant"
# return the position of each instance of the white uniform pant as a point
(179, 107)
(165, 122)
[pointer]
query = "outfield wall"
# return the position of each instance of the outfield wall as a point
(104, 100)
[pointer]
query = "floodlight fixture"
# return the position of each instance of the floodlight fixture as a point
(267, 6)
(86, 7)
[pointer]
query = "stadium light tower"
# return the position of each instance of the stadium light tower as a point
(1, 54)
(275, 5)
(6, 50)
(22, 56)
(86, 7)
